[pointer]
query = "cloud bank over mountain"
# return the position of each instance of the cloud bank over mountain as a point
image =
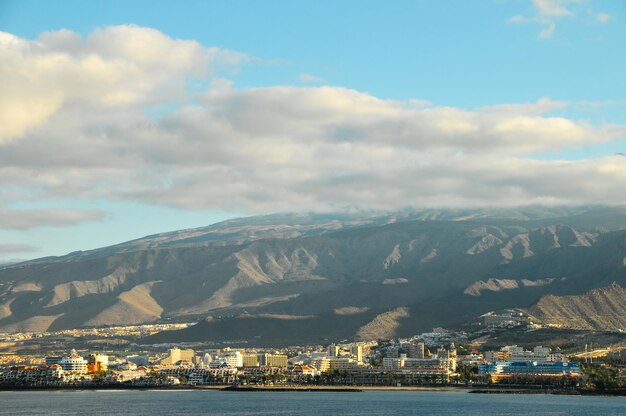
(119, 115)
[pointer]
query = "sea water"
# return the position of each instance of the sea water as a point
(379, 403)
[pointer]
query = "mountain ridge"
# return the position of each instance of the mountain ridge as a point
(370, 265)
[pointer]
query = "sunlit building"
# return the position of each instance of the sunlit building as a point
(176, 355)
(73, 363)
(97, 363)
(273, 360)
(357, 353)
(250, 360)
(499, 370)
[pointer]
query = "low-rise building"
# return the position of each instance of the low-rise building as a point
(473, 358)
(140, 360)
(493, 356)
(304, 370)
(499, 370)
(322, 364)
(341, 363)
(514, 353)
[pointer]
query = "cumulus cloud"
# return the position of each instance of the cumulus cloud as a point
(113, 67)
(281, 148)
(420, 103)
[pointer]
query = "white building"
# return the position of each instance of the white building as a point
(206, 359)
(307, 358)
(393, 363)
(471, 359)
(539, 354)
(74, 363)
(176, 355)
(127, 366)
(233, 359)
(557, 357)
(342, 363)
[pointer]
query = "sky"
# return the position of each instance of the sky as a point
(120, 119)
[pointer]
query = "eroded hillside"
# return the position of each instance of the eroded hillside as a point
(441, 269)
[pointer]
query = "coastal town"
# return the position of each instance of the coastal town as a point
(436, 359)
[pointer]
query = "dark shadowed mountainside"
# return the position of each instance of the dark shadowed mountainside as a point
(306, 278)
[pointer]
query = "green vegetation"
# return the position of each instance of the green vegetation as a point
(467, 373)
(603, 377)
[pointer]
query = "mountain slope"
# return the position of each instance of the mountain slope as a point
(599, 309)
(432, 269)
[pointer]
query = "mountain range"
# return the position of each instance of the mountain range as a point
(307, 278)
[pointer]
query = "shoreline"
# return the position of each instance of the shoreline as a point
(338, 389)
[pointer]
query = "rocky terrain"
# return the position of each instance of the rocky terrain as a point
(298, 278)
(599, 309)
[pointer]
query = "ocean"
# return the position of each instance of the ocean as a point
(379, 403)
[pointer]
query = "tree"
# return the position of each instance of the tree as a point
(467, 372)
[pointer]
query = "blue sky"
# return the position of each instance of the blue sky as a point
(450, 52)
(537, 85)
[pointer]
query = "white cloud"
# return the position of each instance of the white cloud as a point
(603, 18)
(548, 26)
(20, 219)
(555, 8)
(420, 103)
(113, 67)
(309, 78)
(271, 149)
(520, 20)
(548, 30)
(549, 12)
(17, 248)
